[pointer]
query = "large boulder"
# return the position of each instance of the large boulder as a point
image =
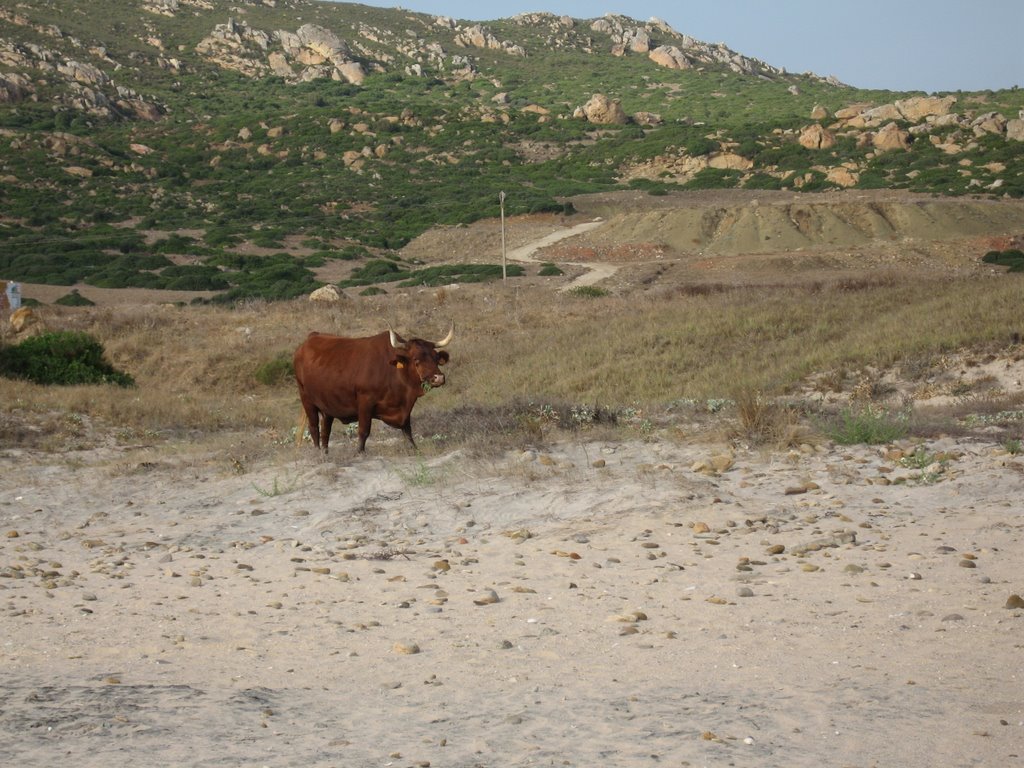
(990, 122)
(669, 56)
(916, 109)
(601, 110)
(880, 115)
(327, 294)
(729, 161)
(843, 176)
(816, 137)
(21, 319)
(890, 137)
(1015, 130)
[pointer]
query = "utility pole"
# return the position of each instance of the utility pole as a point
(504, 269)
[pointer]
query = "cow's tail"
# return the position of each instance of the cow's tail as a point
(300, 429)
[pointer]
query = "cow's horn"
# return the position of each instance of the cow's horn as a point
(396, 340)
(447, 339)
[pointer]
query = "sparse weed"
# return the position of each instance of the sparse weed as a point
(277, 487)
(868, 425)
(420, 476)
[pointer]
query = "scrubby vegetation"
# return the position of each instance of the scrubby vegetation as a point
(63, 357)
(325, 171)
(1013, 259)
(759, 366)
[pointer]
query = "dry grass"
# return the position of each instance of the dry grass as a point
(516, 351)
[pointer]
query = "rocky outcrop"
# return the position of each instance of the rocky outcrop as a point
(310, 53)
(78, 85)
(477, 36)
(882, 126)
(14, 88)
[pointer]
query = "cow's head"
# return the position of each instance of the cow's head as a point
(420, 358)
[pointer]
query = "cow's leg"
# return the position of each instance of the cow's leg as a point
(326, 432)
(313, 422)
(407, 430)
(365, 418)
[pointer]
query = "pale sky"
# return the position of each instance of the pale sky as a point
(898, 45)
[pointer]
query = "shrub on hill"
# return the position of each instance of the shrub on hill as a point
(75, 299)
(1013, 258)
(64, 357)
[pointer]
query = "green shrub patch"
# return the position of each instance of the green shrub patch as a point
(1013, 258)
(64, 357)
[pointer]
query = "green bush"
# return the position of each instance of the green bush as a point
(194, 277)
(63, 357)
(276, 371)
(74, 299)
(550, 270)
(870, 426)
(588, 292)
(1013, 258)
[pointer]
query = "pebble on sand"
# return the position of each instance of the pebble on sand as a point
(487, 597)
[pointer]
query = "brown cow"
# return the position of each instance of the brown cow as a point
(377, 377)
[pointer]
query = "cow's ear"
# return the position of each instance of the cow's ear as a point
(399, 361)
(442, 357)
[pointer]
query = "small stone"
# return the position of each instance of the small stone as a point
(744, 592)
(953, 617)
(1014, 601)
(809, 567)
(442, 565)
(12, 534)
(406, 648)
(776, 549)
(598, 464)
(853, 568)
(487, 597)
(701, 528)
(967, 564)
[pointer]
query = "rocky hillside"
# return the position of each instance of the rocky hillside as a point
(164, 143)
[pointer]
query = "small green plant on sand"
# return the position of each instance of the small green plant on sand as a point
(868, 425)
(277, 488)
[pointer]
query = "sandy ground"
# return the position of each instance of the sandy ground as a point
(592, 604)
